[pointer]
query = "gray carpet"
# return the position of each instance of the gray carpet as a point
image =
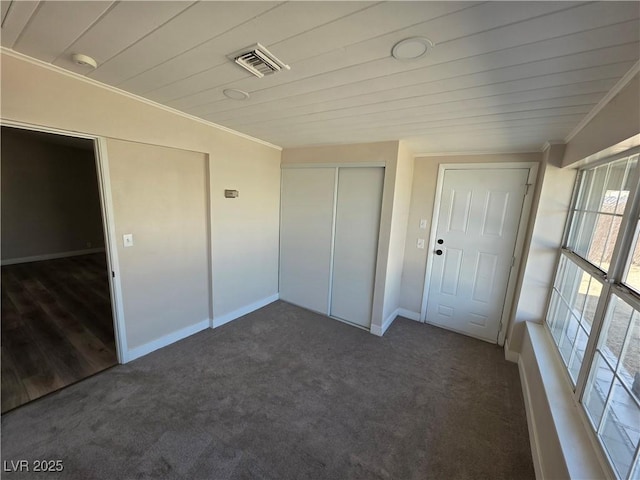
(283, 393)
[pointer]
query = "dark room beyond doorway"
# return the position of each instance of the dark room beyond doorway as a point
(57, 324)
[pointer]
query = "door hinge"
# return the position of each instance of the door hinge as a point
(113, 274)
(526, 188)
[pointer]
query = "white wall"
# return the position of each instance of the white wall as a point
(422, 204)
(50, 202)
(165, 274)
(616, 122)
(380, 152)
(399, 223)
(551, 205)
(245, 230)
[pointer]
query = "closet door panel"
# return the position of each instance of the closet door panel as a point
(307, 205)
(357, 228)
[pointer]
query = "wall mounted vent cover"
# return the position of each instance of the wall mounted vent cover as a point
(258, 60)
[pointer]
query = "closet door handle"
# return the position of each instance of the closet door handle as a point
(438, 252)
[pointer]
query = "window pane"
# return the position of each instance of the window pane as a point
(614, 330)
(593, 295)
(553, 309)
(597, 391)
(570, 280)
(602, 198)
(578, 354)
(568, 338)
(632, 277)
(604, 237)
(573, 303)
(620, 429)
(612, 392)
(629, 367)
(561, 321)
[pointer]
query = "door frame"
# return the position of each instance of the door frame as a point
(520, 237)
(108, 224)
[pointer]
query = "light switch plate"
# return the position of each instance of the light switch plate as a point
(423, 224)
(420, 243)
(127, 239)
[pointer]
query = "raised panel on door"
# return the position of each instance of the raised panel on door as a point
(307, 205)
(477, 226)
(356, 243)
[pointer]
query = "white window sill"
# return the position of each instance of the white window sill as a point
(561, 443)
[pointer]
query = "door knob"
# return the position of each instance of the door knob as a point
(440, 241)
(438, 252)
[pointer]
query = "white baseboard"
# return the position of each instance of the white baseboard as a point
(509, 354)
(379, 331)
(228, 317)
(50, 256)
(531, 422)
(403, 312)
(173, 337)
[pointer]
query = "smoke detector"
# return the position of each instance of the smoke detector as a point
(258, 60)
(411, 48)
(84, 60)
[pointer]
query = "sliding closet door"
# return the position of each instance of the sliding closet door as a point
(356, 243)
(305, 236)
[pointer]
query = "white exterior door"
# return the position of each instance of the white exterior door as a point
(476, 231)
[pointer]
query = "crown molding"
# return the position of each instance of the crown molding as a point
(549, 143)
(470, 153)
(605, 100)
(133, 96)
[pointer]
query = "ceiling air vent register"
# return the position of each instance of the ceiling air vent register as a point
(258, 60)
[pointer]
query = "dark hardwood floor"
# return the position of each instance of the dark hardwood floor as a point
(57, 326)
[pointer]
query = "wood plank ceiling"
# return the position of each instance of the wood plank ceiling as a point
(503, 76)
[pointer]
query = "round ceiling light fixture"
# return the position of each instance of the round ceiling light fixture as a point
(84, 60)
(235, 94)
(411, 48)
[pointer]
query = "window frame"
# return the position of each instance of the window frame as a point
(612, 284)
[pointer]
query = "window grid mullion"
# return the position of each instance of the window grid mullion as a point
(626, 388)
(625, 343)
(603, 189)
(606, 360)
(606, 403)
(574, 347)
(572, 211)
(592, 343)
(600, 212)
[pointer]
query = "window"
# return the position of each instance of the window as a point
(594, 308)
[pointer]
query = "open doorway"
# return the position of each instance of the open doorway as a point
(57, 321)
